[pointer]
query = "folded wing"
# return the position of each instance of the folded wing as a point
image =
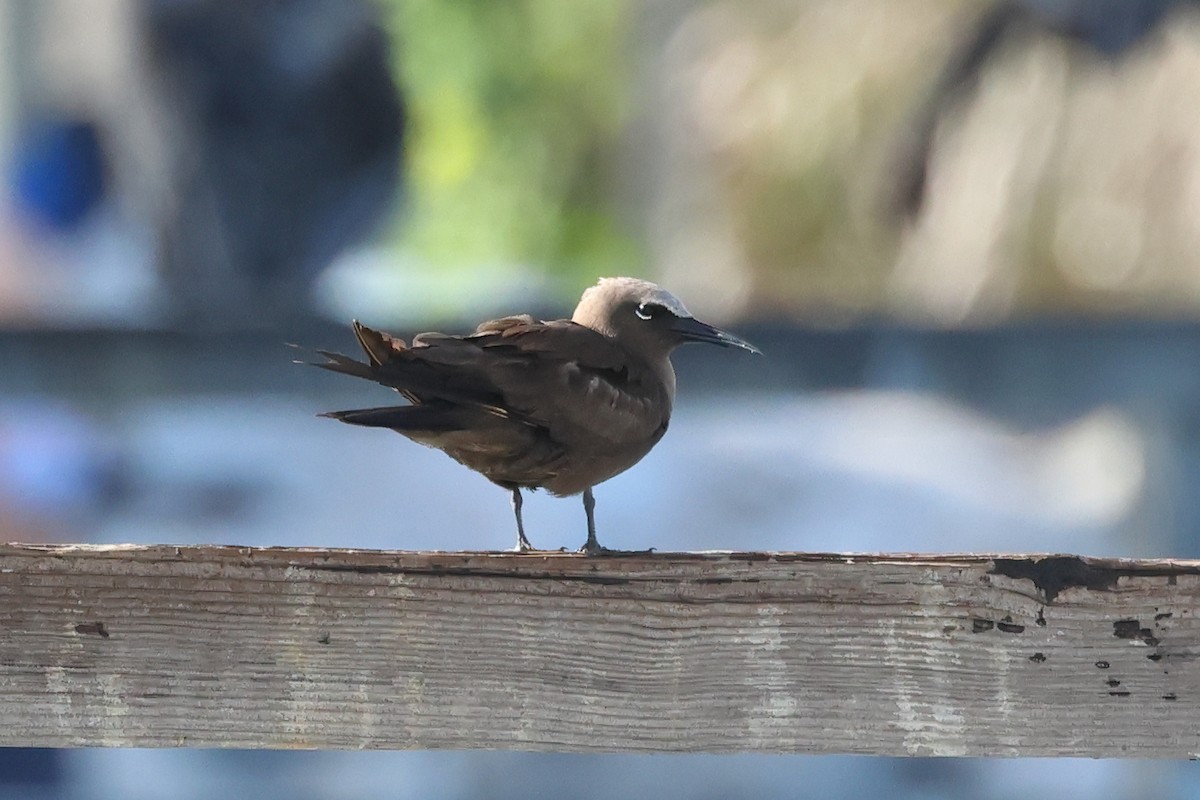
(558, 375)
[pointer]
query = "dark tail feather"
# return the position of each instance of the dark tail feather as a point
(376, 344)
(394, 365)
(343, 364)
(401, 418)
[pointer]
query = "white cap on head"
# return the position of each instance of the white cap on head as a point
(609, 292)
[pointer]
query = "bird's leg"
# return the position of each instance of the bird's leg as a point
(523, 544)
(593, 547)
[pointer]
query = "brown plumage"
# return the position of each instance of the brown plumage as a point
(560, 405)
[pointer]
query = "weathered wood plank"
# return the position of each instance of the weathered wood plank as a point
(291, 648)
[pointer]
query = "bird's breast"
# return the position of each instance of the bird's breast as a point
(584, 467)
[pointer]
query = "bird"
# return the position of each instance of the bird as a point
(559, 405)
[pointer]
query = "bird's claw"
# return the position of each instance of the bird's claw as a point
(596, 549)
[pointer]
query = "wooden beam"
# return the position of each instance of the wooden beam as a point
(774, 652)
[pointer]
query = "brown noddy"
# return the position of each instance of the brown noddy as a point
(560, 405)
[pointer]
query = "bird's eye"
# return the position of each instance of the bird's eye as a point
(647, 311)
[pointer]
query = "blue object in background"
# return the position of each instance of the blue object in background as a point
(58, 172)
(1110, 27)
(31, 772)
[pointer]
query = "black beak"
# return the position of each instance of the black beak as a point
(693, 330)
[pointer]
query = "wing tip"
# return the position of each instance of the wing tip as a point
(376, 344)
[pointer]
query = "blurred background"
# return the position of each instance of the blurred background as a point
(966, 234)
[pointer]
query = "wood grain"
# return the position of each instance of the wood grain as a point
(166, 646)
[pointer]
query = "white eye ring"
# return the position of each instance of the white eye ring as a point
(643, 313)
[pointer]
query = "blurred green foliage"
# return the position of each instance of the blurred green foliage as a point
(516, 113)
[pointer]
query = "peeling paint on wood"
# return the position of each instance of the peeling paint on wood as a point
(771, 652)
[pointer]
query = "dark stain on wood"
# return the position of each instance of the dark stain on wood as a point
(980, 625)
(92, 629)
(1132, 629)
(1119, 694)
(1038, 658)
(1052, 574)
(1102, 665)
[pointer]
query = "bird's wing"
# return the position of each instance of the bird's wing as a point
(379, 346)
(569, 378)
(392, 364)
(513, 323)
(559, 376)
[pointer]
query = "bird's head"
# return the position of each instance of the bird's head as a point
(646, 318)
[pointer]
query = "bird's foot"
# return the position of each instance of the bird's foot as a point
(523, 546)
(593, 548)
